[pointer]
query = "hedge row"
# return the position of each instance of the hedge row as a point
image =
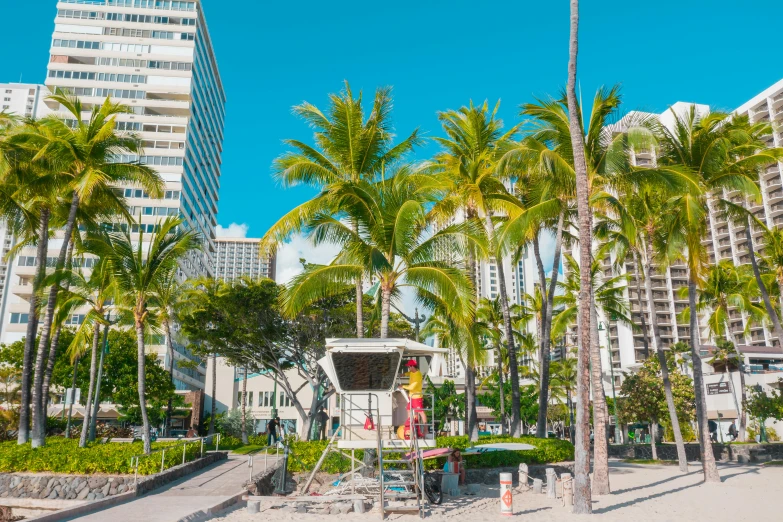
(305, 455)
(62, 455)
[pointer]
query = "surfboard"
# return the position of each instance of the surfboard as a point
(488, 448)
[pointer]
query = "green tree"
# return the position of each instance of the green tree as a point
(86, 154)
(724, 157)
(762, 406)
(644, 399)
(394, 245)
(349, 148)
(137, 268)
(449, 406)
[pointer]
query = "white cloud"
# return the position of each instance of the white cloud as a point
(233, 230)
(289, 254)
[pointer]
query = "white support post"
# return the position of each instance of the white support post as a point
(162, 460)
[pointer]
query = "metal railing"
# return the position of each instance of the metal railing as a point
(174, 447)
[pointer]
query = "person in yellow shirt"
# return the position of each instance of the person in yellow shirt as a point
(414, 389)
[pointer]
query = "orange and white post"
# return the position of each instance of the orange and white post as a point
(506, 496)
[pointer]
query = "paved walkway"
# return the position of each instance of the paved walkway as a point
(212, 485)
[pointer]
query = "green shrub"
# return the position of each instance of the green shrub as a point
(753, 430)
(304, 455)
(65, 456)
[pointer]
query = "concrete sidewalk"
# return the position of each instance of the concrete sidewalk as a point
(214, 485)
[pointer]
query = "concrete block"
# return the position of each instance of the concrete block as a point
(253, 507)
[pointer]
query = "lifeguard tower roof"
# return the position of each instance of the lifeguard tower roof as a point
(371, 365)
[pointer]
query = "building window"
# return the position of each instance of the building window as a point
(17, 318)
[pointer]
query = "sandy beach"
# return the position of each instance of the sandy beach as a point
(641, 493)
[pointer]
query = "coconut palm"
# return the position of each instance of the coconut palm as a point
(97, 292)
(582, 493)
(167, 298)
(393, 245)
(88, 153)
(138, 267)
(465, 341)
(724, 157)
(468, 168)
(773, 259)
(350, 147)
(490, 314)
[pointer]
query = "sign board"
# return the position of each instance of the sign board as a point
(718, 388)
(69, 396)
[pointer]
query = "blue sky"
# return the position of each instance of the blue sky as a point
(438, 55)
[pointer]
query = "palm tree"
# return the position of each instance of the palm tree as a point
(167, 298)
(138, 267)
(468, 168)
(466, 341)
(394, 246)
(349, 149)
(87, 155)
(96, 291)
(564, 378)
(490, 314)
(716, 149)
(773, 258)
(582, 493)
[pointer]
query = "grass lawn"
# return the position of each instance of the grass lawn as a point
(774, 463)
(651, 461)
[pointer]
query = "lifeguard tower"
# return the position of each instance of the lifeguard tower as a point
(367, 374)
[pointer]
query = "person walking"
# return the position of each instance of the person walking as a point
(733, 431)
(271, 429)
(323, 419)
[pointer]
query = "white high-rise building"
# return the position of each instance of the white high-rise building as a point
(24, 100)
(724, 241)
(156, 57)
(241, 257)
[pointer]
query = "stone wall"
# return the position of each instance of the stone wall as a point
(724, 452)
(261, 483)
(86, 487)
(63, 487)
(491, 476)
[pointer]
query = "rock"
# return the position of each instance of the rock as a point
(113, 489)
(52, 495)
(83, 493)
(120, 488)
(63, 481)
(99, 496)
(345, 508)
(301, 509)
(71, 495)
(82, 487)
(97, 482)
(334, 510)
(51, 483)
(91, 496)
(105, 489)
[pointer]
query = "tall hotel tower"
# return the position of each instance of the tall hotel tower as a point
(157, 58)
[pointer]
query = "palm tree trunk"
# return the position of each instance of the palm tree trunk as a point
(509, 333)
(96, 335)
(54, 345)
(244, 408)
(141, 358)
(32, 328)
(771, 312)
(707, 457)
(73, 396)
(653, 447)
(547, 306)
(503, 425)
(582, 494)
(385, 310)
(359, 296)
(39, 401)
(640, 273)
(667, 384)
(743, 393)
(170, 350)
(470, 412)
(214, 398)
(600, 410)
